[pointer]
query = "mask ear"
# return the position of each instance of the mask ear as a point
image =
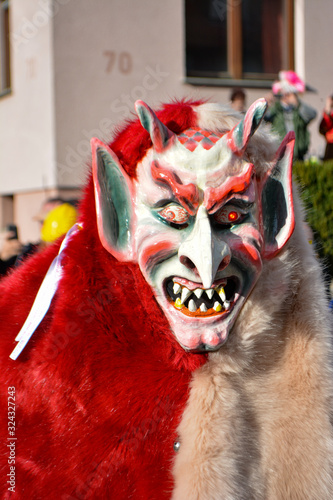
(114, 195)
(277, 200)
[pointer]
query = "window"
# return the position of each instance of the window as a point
(238, 39)
(4, 47)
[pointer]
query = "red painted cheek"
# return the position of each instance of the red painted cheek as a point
(253, 253)
(247, 253)
(247, 247)
(154, 253)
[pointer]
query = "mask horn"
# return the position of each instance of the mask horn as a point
(240, 135)
(159, 133)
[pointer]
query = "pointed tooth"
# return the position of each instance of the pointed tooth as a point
(217, 307)
(178, 303)
(176, 288)
(226, 305)
(221, 293)
(191, 306)
(198, 292)
(203, 307)
(210, 293)
(185, 294)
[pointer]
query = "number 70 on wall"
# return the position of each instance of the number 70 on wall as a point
(122, 61)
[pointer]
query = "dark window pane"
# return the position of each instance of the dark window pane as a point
(257, 37)
(4, 47)
(206, 37)
(262, 36)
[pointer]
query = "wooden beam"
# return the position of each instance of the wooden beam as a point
(290, 34)
(234, 29)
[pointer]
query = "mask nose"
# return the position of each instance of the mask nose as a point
(202, 252)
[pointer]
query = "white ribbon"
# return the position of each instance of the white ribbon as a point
(44, 297)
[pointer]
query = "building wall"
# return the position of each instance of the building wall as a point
(27, 147)
(78, 69)
(318, 43)
(27, 121)
(107, 55)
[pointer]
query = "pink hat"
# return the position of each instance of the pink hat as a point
(288, 83)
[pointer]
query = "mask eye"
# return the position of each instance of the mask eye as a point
(174, 214)
(228, 215)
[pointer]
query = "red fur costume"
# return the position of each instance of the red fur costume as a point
(102, 386)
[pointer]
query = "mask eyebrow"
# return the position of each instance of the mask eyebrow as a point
(215, 197)
(186, 194)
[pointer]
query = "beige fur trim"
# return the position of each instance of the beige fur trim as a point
(257, 424)
(259, 436)
(218, 457)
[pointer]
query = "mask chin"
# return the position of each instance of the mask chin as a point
(203, 339)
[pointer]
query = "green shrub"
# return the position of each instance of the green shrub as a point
(316, 182)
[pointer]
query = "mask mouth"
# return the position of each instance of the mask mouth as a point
(193, 300)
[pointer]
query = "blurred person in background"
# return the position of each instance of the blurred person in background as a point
(288, 113)
(56, 217)
(326, 127)
(10, 248)
(238, 100)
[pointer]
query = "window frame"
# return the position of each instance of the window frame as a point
(234, 76)
(5, 66)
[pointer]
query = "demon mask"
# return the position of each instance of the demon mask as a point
(198, 219)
